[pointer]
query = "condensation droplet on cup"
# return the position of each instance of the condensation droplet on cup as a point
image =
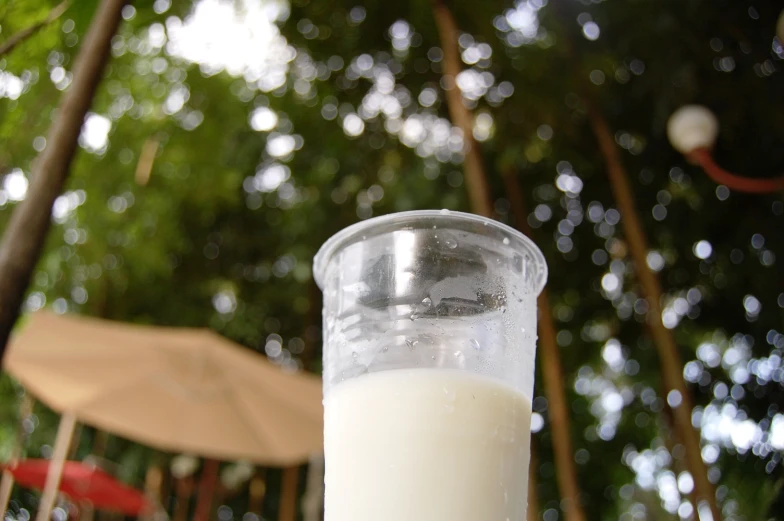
(475, 344)
(450, 243)
(444, 212)
(411, 343)
(354, 355)
(522, 330)
(384, 349)
(427, 302)
(506, 240)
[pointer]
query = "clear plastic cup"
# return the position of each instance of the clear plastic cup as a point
(429, 347)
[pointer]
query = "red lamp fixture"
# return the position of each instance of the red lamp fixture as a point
(692, 131)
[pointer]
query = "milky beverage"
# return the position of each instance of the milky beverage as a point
(426, 445)
(429, 347)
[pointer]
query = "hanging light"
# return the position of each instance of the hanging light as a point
(692, 131)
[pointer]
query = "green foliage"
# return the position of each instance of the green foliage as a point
(201, 244)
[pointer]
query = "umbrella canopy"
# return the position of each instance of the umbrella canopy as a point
(176, 389)
(82, 482)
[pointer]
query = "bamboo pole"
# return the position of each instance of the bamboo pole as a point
(669, 357)
(479, 194)
(667, 349)
(29, 223)
(552, 375)
(475, 175)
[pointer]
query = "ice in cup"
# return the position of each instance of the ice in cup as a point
(429, 346)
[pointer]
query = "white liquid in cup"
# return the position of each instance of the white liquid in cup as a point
(426, 445)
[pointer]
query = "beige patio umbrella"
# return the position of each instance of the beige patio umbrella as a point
(175, 389)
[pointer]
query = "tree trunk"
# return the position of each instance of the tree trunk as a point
(17, 38)
(288, 495)
(26, 230)
(552, 374)
(669, 357)
(207, 485)
(184, 489)
(475, 176)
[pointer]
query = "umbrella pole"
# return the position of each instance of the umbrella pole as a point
(6, 485)
(152, 490)
(55, 472)
(314, 489)
(209, 480)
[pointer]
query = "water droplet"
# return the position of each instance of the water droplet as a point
(450, 243)
(433, 357)
(384, 349)
(427, 302)
(413, 316)
(354, 355)
(444, 212)
(522, 330)
(475, 344)
(506, 240)
(411, 343)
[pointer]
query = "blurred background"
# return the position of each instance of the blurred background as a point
(229, 139)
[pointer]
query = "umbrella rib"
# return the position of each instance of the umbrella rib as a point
(256, 433)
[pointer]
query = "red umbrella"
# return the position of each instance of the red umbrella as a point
(82, 482)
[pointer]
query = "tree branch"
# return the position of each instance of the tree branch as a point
(17, 38)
